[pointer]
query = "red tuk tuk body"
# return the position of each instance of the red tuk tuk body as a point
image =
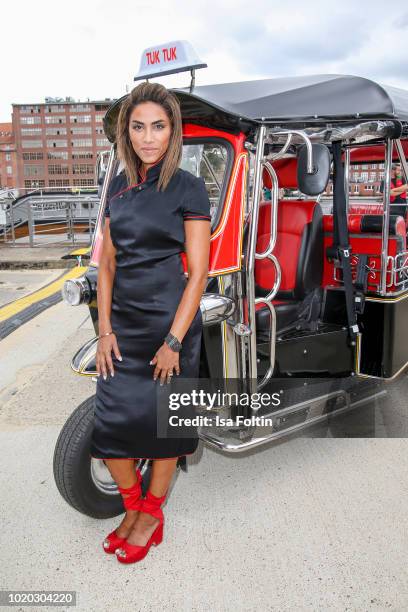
(287, 299)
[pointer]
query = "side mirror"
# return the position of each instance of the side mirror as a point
(101, 177)
(313, 184)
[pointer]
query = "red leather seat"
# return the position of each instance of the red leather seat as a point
(299, 250)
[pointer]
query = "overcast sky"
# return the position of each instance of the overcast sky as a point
(91, 48)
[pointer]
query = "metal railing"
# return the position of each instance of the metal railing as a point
(396, 273)
(45, 217)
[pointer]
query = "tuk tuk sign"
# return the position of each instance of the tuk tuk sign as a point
(168, 58)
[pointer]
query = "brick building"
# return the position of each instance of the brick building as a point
(8, 157)
(364, 180)
(57, 142)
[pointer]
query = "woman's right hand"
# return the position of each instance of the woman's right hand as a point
(106, 345)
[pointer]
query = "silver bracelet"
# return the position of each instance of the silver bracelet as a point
(173, 343)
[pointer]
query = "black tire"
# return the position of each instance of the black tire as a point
(74, 468)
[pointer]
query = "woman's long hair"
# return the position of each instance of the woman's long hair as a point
(150, 92)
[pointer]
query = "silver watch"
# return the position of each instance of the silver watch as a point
(173, 343)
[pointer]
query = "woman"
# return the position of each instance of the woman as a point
(398, 191)
(150, 322)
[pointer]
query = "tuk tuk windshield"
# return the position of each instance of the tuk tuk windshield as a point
(208, 160)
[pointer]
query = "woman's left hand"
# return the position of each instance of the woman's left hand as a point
(166, 360)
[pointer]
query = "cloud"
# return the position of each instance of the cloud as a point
(401, 21)
(102, 43)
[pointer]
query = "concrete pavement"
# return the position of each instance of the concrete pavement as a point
(311, 523)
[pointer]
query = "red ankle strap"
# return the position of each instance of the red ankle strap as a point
(152, 504)
(134, 493)
(130, 490)
(137, 483)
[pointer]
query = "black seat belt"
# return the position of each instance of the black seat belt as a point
(361, 282)
(340, 251)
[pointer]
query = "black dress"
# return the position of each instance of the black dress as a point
(147, 230)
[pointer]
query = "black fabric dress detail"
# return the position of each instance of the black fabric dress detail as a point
(147, 230)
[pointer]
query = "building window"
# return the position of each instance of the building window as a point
(369, 187)
(373, 166)
(99, 118)
(80, 108)
(102, 142)
(364, 176)
(30, 120)
(373, 176)
(8, 156)
(57, 143)
(55, 108)
(31, 131)
(34, 184)
(356, 188)
(57, 169)
(82, 143)
(37, 170)
(83, 169)
(57, 155)
(31, 156)
(83, 182)
(99, 130)
(81, 130)
(82, 155)
(55, 119)
(58, 183)
(80, 119)
(29, 109)
(9, 170)
(31, 144)
(56, 131)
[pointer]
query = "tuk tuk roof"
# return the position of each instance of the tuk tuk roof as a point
(311, 100)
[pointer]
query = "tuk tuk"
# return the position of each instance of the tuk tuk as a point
(306, 290)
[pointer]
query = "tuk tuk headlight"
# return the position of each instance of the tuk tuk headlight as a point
(76, 291)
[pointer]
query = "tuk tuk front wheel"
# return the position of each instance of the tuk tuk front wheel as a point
(86, 483)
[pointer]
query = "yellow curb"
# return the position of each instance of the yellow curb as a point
(12, 309)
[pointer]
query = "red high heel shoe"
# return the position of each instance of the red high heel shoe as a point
(130, 553)
(133, 502)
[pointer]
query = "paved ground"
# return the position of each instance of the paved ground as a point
(311, 523)
(49, 255)
(15, 284)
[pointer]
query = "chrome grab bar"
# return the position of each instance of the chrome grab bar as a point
(261, 162)
(267, 254)
(104, 194)
(304, 137)
(282, 152)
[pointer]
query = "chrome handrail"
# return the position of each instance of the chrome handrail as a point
(307, 141)
(250, 259)
(267, 254)
(104, 193)
(285, 147)
(386, 220)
